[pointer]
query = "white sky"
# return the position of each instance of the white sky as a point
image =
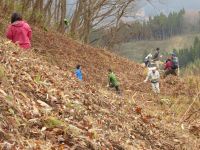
(167, 6)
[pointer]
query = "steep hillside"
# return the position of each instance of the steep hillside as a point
(43, 107)
(173, 106)
(66, 53)
(95, 62)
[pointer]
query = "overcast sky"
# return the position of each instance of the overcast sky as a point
(157, 6)
(167, 6)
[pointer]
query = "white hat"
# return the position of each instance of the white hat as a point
(152, 68)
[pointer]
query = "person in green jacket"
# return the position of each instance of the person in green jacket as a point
(66, 21)
(113, 83)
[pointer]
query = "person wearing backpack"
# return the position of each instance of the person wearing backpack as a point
(175, 63)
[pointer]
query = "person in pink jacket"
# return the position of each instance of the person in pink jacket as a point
(19, 31)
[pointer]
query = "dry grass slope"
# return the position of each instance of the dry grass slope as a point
(44, 106)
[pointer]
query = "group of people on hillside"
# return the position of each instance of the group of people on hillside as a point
(155, 58)
(171, 66)
(20, 33)
(112, 80)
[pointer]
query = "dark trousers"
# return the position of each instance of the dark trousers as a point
(171, 71)
(147, 63)
(115, 86)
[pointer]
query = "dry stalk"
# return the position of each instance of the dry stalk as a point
(181, 120)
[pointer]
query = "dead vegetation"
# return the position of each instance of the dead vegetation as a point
(44, 107)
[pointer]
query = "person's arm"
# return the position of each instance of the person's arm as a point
(147, 78)
(30, 35)
(81, 75)
(9, 34)
(76, 73)
(158, 76)
(178, 62)
(109, 80)
(155, 56)
(29, 32)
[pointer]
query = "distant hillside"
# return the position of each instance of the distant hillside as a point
(135, 50)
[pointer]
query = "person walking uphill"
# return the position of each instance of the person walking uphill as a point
(19, 31)
(112, 80)
(156, 57)
(175, 64)
(78, 73)
(154, 77)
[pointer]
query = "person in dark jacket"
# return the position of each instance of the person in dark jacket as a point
(156, 57)
(19, 31)
(78, 73)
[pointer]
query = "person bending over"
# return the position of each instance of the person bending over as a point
(112, 80)
(19, 31)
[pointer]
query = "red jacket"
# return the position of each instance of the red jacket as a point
(21, 33)
(168, 65)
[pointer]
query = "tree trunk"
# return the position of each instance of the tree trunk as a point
(76, 19)
(63, 6)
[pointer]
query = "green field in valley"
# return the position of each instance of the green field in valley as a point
(135, 50)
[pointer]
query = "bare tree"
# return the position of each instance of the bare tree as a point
(96, 14)
(63, 7)
(86, 15)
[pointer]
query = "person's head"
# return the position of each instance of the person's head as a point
(157, 49)
(168, 59)
(78, 67)
(16, 17)
(154, 69)
(110, 70)
(173, 54)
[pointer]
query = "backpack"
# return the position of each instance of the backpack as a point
(175, 63)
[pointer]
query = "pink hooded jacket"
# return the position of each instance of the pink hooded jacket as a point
(21, 33)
